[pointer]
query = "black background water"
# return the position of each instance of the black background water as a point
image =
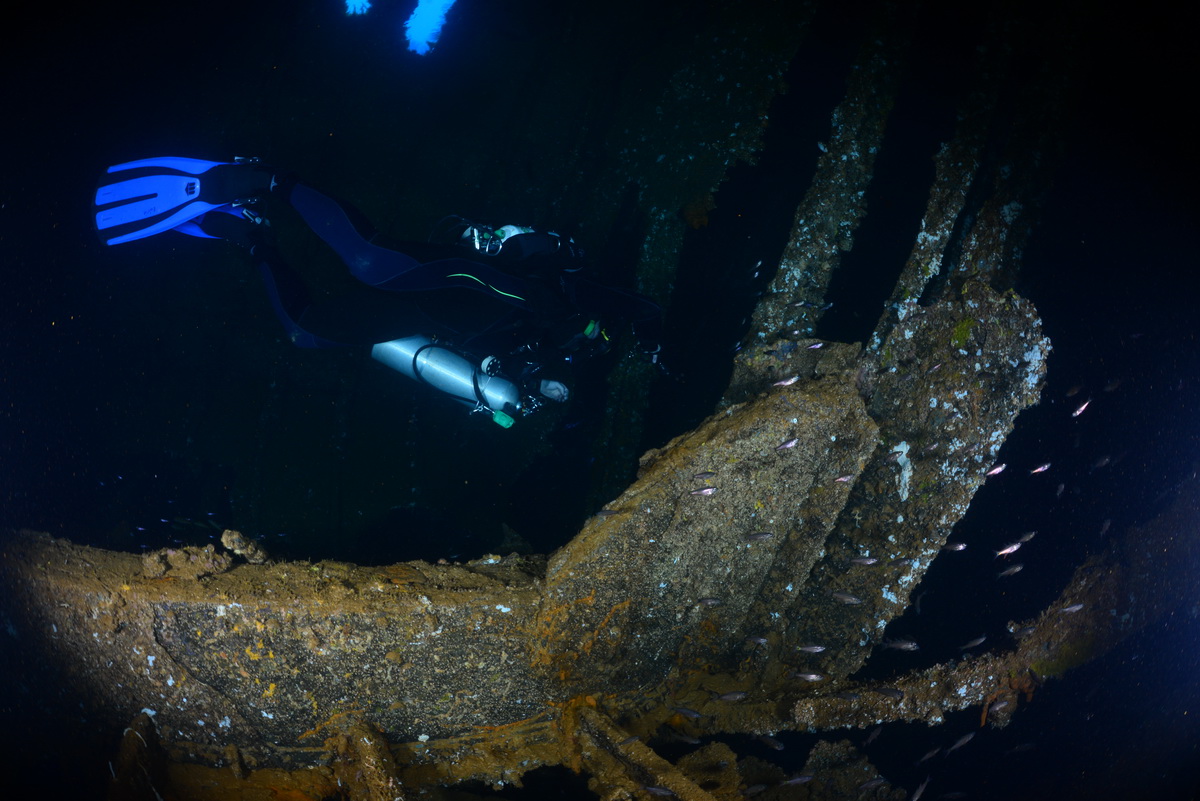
(121, 370)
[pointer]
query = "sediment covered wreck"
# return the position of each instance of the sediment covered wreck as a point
(686, 601)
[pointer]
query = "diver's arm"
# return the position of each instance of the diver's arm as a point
(602, 302)
(540, 252)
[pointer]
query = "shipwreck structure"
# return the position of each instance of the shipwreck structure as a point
(686, 602)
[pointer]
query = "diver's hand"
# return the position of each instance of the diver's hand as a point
(554, 390)
(655, 358)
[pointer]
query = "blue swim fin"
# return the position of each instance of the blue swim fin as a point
(146, 197)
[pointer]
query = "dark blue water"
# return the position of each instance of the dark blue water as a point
(147, 395)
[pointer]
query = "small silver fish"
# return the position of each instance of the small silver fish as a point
(770, 742)
(917, 793)
(799, 778)
(708, 602)
(954, 546)
(973, 643)
(690, 714)
(847, 598)
(810, 649)
(997, 706)
(791, 443)
(1010, 571)
(807, 676)
(707, 474)
(732, 697)
(758, 536)
(1027, 536)
(1041, 468)
(894, 693)
(997, 470)
(1007, 549)
(959, 743)
(872, 783)
(787, 382)
(1081, 409)
(654, 789)
(929, 756)
(756, 640)
(816, 346)
(863, 560)
(843, 479)
(1072, 608)
(705, 491)
(901, 645)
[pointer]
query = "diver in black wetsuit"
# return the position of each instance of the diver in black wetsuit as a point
(486, 307)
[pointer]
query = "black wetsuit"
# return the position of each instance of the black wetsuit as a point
(447, 291)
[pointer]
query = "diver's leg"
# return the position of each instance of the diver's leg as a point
(436, 267)
(329, 220)
(358, 316)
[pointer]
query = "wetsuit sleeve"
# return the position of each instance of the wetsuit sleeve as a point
(541, 254)
(534, 243)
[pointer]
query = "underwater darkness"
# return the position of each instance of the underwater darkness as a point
(149, 397)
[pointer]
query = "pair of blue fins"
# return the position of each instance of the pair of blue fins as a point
(144, 198)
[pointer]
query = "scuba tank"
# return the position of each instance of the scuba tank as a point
(448, 371)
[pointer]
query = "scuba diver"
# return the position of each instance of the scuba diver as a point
(481, 315)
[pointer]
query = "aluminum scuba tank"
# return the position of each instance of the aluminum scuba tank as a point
(448, 371)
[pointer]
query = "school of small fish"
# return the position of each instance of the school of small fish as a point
(897, 644)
